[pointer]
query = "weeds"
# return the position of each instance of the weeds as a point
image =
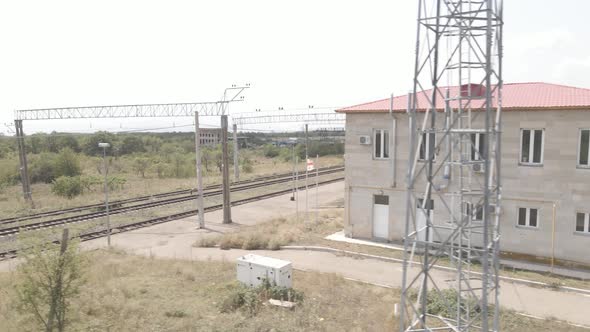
(250, 299)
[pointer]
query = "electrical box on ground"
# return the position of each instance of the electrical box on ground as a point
(253, 269)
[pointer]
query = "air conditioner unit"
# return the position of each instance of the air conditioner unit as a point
(365, 140)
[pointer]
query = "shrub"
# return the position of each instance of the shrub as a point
(270, 151)
(43, 168)
(247, 166)
(275, 244)
(254, 241)
(9, 173)
(48, 281)
(250, 299)
(175, 314)
(67, 186)
(206, 242)
(67, 163)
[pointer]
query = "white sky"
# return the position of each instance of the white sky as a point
(294, 53)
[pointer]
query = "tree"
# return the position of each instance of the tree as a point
(132, 144)
(67, 163)
(140, 165)
(90, 145)
(43, 168)
(49, 278)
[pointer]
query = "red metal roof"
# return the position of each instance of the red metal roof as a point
(515, 96)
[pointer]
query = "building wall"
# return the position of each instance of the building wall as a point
(557, 187)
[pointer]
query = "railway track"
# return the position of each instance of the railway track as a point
(116, 203)
(9, 231)
(154, 221)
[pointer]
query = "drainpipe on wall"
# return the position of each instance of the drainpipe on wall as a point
(394, 148)
(554, 212)
(447, 167)
(553, 238)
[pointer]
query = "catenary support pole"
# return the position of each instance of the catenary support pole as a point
(296, 188)
(106, 194)
(22, 156)
(306, 174)
(200, 205)
(225, 171)
(317, 185)
(294, 166)
(236, 159)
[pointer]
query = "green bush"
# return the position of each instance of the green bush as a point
(270, 151)
(247, 166)
(250, 299)
(42, 168)
(67, 186)
(9, 173)
(67, 163)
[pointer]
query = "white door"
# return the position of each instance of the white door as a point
(421, 220)
(381, 216)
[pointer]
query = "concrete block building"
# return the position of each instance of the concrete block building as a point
(545, 210)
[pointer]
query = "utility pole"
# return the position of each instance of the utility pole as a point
(225, 172)
(200, 205)
(294, 166)
(296, 188)
(104, 147)
(317, 185)
(236, 159)
(306, 174)
(22, 156)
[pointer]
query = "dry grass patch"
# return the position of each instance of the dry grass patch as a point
(276, 233)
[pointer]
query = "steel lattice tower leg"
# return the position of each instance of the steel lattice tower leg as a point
(454, 168)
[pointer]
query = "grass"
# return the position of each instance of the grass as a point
(131, 293)
(13, 204)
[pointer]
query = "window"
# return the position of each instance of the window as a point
(381, 199)
(473, 210)
(531, 146)
(381, 144)
(528, 217)
(583, 222)
(427, 146)
(477, 146)
(584, 148)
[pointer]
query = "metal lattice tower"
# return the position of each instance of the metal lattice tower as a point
(454, 166)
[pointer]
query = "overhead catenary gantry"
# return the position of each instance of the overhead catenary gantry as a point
(287, 116)
(215, 108)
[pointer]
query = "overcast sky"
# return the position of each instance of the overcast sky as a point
(294, 53)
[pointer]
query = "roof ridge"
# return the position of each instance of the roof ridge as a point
(367, 103)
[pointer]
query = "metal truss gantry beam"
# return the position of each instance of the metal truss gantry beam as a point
(283, 116)
(216, 108)
(454, 168)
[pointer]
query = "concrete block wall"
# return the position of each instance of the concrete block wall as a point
(557, 187)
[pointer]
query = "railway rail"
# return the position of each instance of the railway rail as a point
(115, 203)
(154, 221)
(146, 205)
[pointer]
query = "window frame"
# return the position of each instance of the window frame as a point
(528, 217)
(427, 143)
(532, 147)
(468, 209)
(476, 154)
(578, 154)
(383, 143)
(586, 230)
